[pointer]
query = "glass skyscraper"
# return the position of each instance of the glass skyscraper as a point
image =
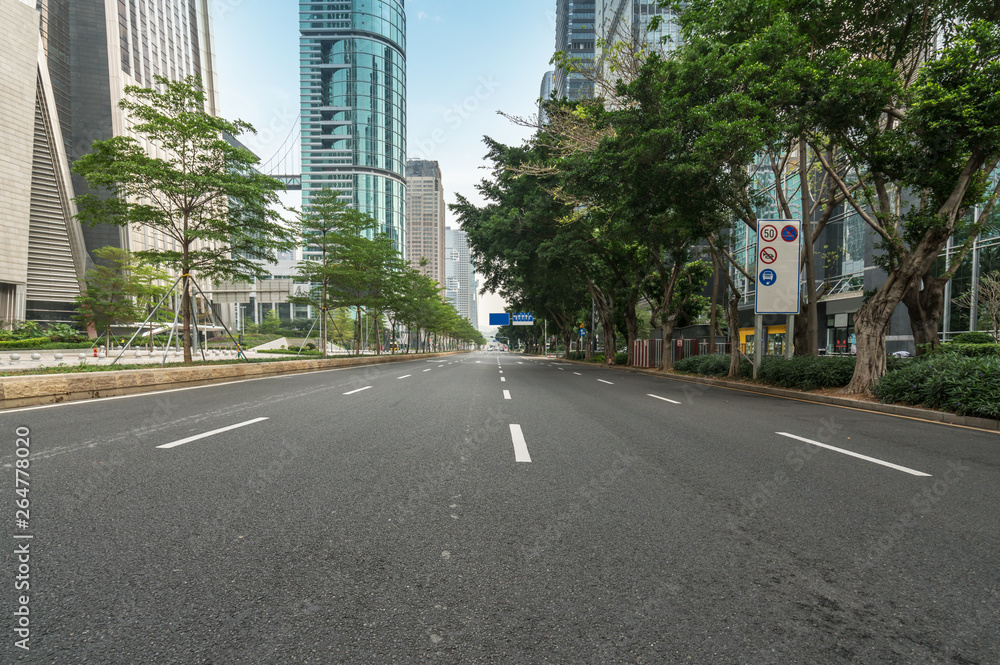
(353, 84)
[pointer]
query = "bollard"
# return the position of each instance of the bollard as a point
(59, 356)
(82, 356)
(36, 356)
(15, 358)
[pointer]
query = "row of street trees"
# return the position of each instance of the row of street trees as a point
(353, 265)
(223, 218)
(894, 114)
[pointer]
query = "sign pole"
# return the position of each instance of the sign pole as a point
(789, 336)
(758, 343)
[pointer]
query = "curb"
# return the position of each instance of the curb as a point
(21, 391)
(943, 417)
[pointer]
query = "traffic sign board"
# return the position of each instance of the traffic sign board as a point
(778, 257)
(524, 320)
(583, 332)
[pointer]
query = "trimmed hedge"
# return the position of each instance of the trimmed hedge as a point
(806, 372)
(972, 350)
(968, 386)
(977, 337)
(715, 364)
(799, 373)
(30, 343)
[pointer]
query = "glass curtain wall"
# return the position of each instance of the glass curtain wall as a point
(353, 82)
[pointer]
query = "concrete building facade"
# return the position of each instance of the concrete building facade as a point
(353, 92)
(425, 218)
(42, 257)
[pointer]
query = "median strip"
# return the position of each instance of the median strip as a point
(858, 455)
(212, 433)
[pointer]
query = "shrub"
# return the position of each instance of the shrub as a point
(576, 355)
(806, 372)
(621, 359)
(598, 358)
(30, 343)
(972, 349)
(715, 364)
(968, 386)
(977, 337)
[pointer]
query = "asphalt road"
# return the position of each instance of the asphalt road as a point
(491, 508)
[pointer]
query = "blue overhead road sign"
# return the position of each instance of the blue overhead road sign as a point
(502, 319)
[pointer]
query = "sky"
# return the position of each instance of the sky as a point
(466, 60)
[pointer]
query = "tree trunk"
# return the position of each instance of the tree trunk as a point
(812, 310)
(713, 322)
(870, 325)
(631, 328)
(925, 308)
(667, 358)
(186, 307)
(733, 320)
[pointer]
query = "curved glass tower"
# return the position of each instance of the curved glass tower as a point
(353, 84)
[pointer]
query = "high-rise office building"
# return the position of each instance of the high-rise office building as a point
(545, 92)
(575, 36)
(42, 256)
(425, 217)
(353, 85)
(460, 283)
(95, 48)
(625, 21)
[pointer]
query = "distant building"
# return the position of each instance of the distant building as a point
(425, 218)
(353, 81)
(460, 284)
(545, 92)
(577, 38)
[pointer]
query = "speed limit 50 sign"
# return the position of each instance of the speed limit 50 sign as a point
(778, 259)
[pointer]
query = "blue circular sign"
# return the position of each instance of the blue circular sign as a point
(789, 233)
(768, 277)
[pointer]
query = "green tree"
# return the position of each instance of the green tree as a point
(908, 99)
(120, 290)
(204, 194)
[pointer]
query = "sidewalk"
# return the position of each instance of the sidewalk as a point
(841, 401)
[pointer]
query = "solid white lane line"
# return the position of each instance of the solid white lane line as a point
(427, 370)
(663, 398)
(358, 390)
(607, 382)
(520, 446)
(208, 434)
(578, 374)
(858, 455)
(405, 376)
(503, 379)
(506, 394)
